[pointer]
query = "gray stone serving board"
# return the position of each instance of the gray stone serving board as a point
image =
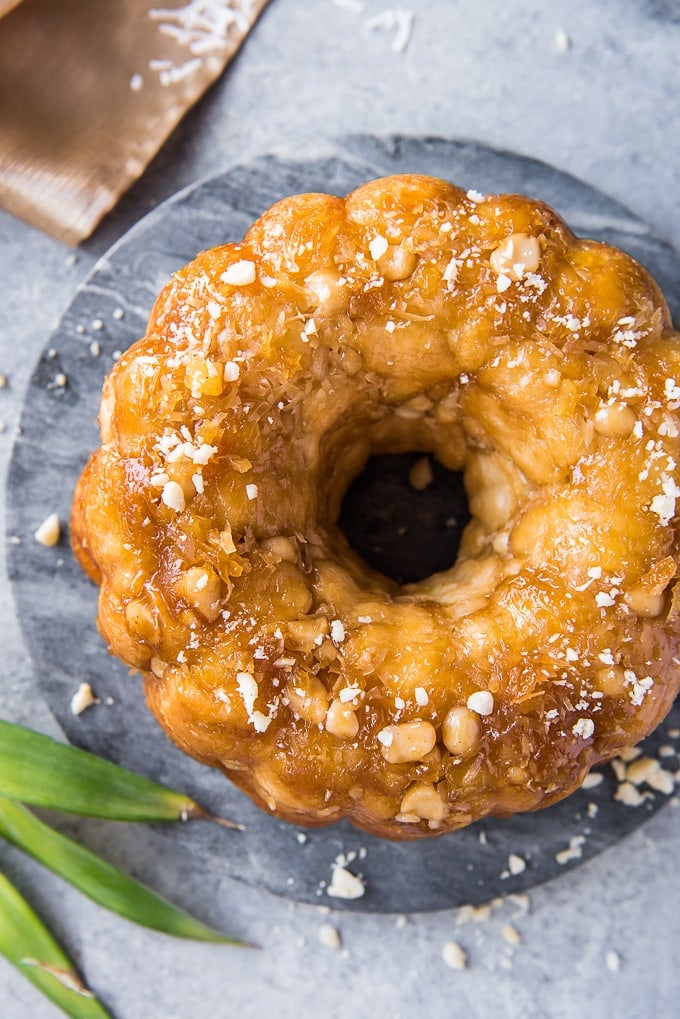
(56, 604)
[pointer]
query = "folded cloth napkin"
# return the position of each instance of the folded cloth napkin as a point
(90, 91)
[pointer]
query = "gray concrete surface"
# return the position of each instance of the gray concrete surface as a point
(605, 110)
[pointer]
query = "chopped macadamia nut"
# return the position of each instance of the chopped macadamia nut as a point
(82, 699)
(49, 531)
(516, 864)
(396, 263)
(574, 851)
(511, 934)
(409, 741)
(423, 800)
(516, 256)
(454, 956)
(240, 274)
(330, 294)
(341, 720)
(592, 780)
(612, 961)
(616, 420)
(173, 496)
(344, 884)
(481, 702)
(461, 731)
(378, 247)
(421, 474)
(627, 794)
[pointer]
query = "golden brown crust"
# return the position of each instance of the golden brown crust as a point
(407, 316)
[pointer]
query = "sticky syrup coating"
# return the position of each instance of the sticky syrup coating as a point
(408, 316)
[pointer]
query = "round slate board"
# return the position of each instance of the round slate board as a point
(56, 604)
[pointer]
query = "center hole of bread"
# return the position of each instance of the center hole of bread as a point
(404, 515)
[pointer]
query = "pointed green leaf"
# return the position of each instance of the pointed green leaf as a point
(98, 879)
(28, 945)
(37, 769)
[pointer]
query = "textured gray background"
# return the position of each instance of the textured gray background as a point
(606, 110)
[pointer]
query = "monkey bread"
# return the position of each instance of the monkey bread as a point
(409, 316)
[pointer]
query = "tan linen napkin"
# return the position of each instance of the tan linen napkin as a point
(89, 91)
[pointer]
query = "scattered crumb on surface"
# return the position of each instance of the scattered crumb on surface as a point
(627, 794)
(3, 380)
(521, 904)
(562, 41)
(301, 837)
(574, 851)
(516, 864)
(612, 961)
(592, 780)
(329, 936)
(82, 699)
(511, 934)
(454, 956)
(399, 21)
(344, 884)
(477, 914)
(420, 474)
(49, 531)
